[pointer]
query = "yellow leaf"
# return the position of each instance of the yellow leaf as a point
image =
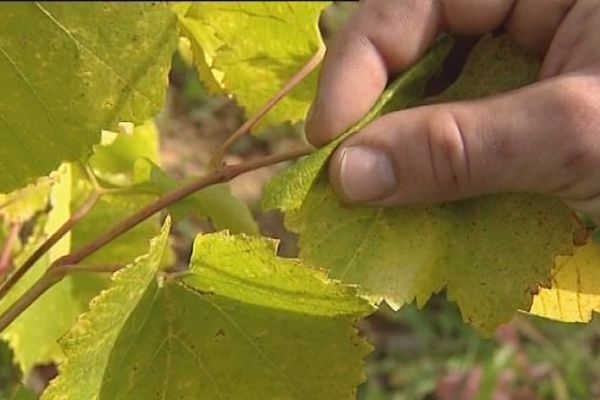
(575, 290)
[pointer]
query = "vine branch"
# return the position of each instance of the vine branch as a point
(310, 66)
(69, 263)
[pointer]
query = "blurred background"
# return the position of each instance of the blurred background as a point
(419, 354)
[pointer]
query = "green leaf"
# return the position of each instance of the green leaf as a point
(335, 17)
(489, 252)
(184, 48)
(214, 202)
(246, 269)
(114, 162)
(490, 70)
(131, 162)
(10, 376)
(67, 72)
(3, 233)
(242, 323)
(512, 243)
(114, 159)
(288, 190)
(22, 204)
(180, 7)
(224, 210)
(111, 209)
(203, 43)
(253, 49)
(484, 250)
(88, 344)
(21, 393)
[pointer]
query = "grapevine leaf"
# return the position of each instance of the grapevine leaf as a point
(214, 202)
(114, 162)
(203, 43)
(239, 312)
(489, 252)
(184, 47)
(288, 190)
(180, 8)
(575, 287)
(88, 344)
(238, 47)
(114, 159)
(22, 204)
(10, 372)
(109, 210)
(3, 234)
(21, 393)
(512, 243)
(224, 210)
(247, 269)
(335, 17)
(131, 161)
(490, 70)
(404, 253)
(67, 72)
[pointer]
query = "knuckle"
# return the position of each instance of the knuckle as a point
(447, 151)
(577, 102)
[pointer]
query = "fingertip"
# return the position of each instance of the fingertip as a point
(317, 129)
(333, 170)
(362, 174)
(308, 126)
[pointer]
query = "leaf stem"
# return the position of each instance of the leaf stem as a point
(69, 263)
(85, 208)
(310, 66)
(6, 254)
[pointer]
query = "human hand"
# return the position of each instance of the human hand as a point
(542, 138)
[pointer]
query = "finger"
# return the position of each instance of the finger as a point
(533, 25)
(575, 44)
(542, 138)
(386, 37)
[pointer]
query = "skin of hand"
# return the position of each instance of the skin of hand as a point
(542, 138)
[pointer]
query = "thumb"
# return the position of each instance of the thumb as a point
(539, 138)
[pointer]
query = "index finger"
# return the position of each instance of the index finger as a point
(385, 37)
